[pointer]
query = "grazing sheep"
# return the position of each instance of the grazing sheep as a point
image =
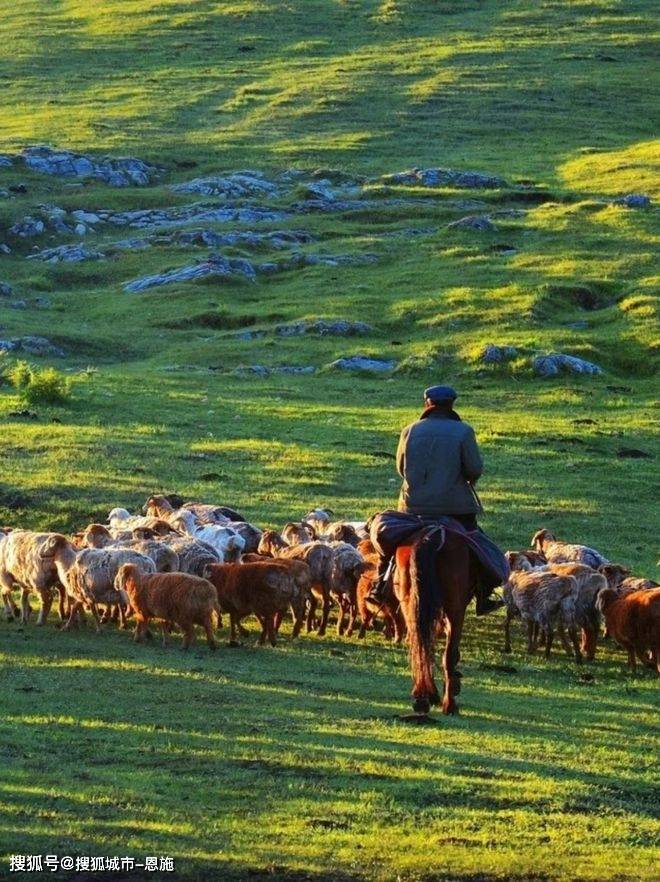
(366, 548)
(589, 584)
(193, 555)
(36, 562)
(342, 532)
(265, 589)
(542, 600)
(173, 598)
(271, 543)
(298, 534)
(525, 560)
(346, 567)
(226, 542)
(318, 557)
(319, 519)
(165, 559)
(91, 580)
(634, 622)
(562, 552)
(250, 534)
(389, 609)
(212, 514)
(620, 580)
(96, 536)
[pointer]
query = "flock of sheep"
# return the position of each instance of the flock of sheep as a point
(184, 564)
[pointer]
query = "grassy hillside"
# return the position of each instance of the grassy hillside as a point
(553, 98)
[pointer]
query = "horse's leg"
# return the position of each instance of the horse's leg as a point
(453, 630)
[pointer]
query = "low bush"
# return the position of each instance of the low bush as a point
(39, 385)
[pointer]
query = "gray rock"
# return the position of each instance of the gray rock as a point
(7, 345)
(363, 363)
(493, 354)
(80, 229)
(480, 223)
(17, 304)
(4, 194)
(85, 217)
(634, 200)
(338, 328)
(66, 254)
(37, 346)
(445, 177)
(4, 248)
(196, 213)
(260, 370)
(556, 363)
(6, 290)
(249, 335)
(27, 228)
(238, 185)
(214, 266)
(120, 172)
(6, 161)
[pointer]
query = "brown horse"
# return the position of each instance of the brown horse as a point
(432, 606)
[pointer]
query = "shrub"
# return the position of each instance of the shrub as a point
(39, 385)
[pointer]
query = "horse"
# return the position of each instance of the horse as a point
(432, 606)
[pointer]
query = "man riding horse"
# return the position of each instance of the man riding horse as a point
(439, 461)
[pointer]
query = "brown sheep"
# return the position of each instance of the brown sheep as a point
(36, 562)
(525, 560)
(389, 609)
(173, 598)
(589, 584)
(341, 532)
(542, 600)
(263, 589)
(96, 536)
(563, 552)
(318, 557)
(366, 548)
(91, 580)
(165, 559)
(620, 580)
(298, 534)
(634, 622)
(302, 575)
(271, 543)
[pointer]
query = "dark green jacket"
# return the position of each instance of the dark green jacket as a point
(436, 458)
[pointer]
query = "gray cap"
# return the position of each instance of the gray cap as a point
(440, 393)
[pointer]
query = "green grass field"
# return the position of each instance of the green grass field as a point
(291, 764)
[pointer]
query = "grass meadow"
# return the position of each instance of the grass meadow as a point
(292, 763)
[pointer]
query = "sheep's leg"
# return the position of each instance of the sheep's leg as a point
(341, 603)
(164, 630)
(324, 616)
(62, 605)
(264, 630)
(272, 633)
(188, 637)
(531, 645)
(122, 616)
(234, 625)
(632, 661)
(568, 649)
(46, 603)
(575, 640)
(298, 614)
(97, 620)
(210, 634)
(507, 630)
(25, 605)
(364, 624)
(277, 620)
(73, 615)
(352, 615)
(141, 627)
(7, 583)
(311, 614)
(549, 635)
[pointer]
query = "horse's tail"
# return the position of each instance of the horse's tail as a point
(425, 608)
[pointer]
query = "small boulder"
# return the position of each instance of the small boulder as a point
(493, 354)
(446, 177)
(554, 364)
(6, 290)
(481, 223)
(41, 346)
(66, 254)
(27, 228)
(634, 200)
(363, 363)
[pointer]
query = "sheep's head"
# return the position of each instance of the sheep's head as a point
(614, 573)
(605, 599)
(55, 543)
(270, 543)
(96, 536)
(298, 534)
(156, 505)
(540, 538)
(118, 516)
(126, 581)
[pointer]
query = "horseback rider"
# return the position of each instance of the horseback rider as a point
(439, 461)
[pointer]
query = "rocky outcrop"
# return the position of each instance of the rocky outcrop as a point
(66, 254)
(238, 185)
(363, 363)
(557, 363)
(260, 370)
(198, 212)
(445, 177)
(121, 172)
(322, 327)
(32, 345)
(214, 266)
(27, 227)
(481, 223)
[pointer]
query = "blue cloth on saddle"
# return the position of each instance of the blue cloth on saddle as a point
(389, 529)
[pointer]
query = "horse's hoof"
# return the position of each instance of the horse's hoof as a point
(421, 705)
(450, 708)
